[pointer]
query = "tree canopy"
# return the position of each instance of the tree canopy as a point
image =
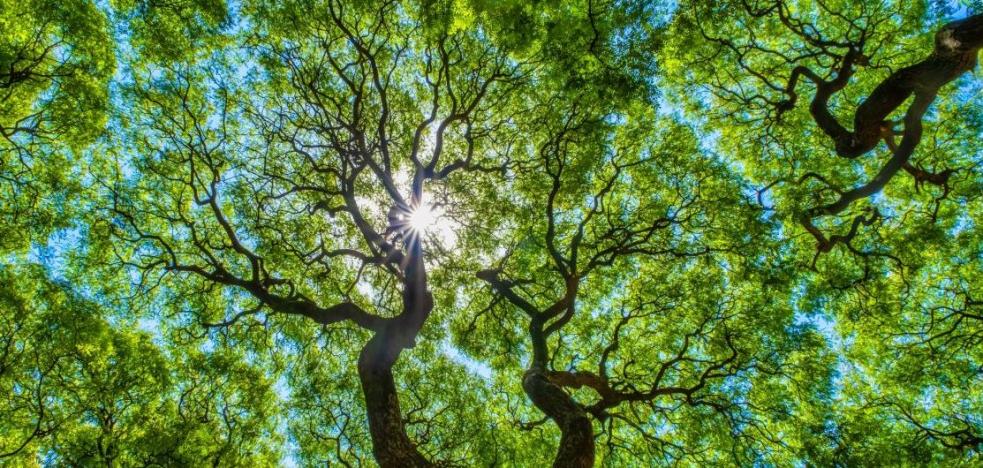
(472, 233)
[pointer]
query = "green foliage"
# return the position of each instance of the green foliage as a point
(80, 391)
(55, 62)
(203, 209)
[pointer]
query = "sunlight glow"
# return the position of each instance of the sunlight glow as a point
(423, 217)
(428, 219)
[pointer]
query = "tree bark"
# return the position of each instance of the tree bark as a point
(577, 434)
(390, 444)
(956, 47)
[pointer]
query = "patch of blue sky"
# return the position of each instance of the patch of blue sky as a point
(963, 223)
(474, 366)
(825, 323)
(953, 9)
(153, 327)
(54, 254)
(282, 387)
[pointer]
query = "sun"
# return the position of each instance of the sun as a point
(429, 220)
(423, 217)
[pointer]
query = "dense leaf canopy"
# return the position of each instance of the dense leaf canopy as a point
(490, 233)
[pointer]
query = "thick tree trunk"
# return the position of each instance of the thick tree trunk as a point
(390, 444)
(577, 435)
(956, 47)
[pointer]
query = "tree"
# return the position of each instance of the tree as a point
(511, 233)
(639, 285)
(837, 50)
(892, 253)
(298, 191)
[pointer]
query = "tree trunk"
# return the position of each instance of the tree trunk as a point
(577, 434)
(956, 47)
(390, 444)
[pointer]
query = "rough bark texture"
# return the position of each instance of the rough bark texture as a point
(957, 45)
(956, 48)
(390, 444)
(576, 431)
(577, 434)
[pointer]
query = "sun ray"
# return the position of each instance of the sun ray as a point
(422, 217)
